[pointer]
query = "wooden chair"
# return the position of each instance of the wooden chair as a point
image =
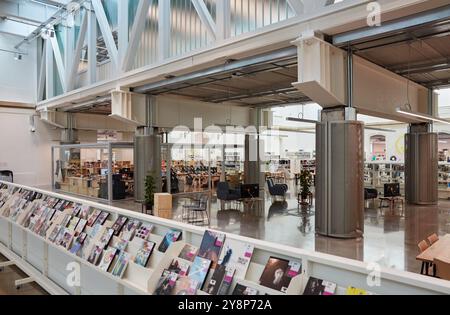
(442, 268)
(433, 238)
(423, 246)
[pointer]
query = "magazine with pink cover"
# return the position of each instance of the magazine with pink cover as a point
(129, 230)
(144, 231)
(118, 225)
(102, 218)
(84, 212)
(189, 252)
(80, 226)
(237, 255)
(93, 217)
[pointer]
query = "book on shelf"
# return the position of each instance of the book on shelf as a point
(73, 223)
(118, 225)
(237, 255)
(143, 255)
(93, 217)
(107, 259)
(101, 219)
(121, 264)
(319, 287)
(84, 213)
(54, 234)
(78, 243)
(106, 238)
(129, 230)
(240, 289)
(95, 254)
(278, 273)
(188, 252)
(171, 237)
(227, 280)
(121, 245)
(216, 280)
(211, 246)
(166, 283)
(144, 231)
(80, 226)
(199, 270)
(180, 267)
(67, 239)
(185, 286)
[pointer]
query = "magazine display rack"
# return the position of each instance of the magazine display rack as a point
(51, 266)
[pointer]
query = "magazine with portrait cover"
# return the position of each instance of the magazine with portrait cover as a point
(319, 287)
(60, 236)
(84, 212)
(54, 234)
(171, 237)
(107, 259)
(237, 255)
(76, 208)
(188, 252)
(67, 239)
(144, 231)
(78, 243)
(211, 246)
(95, 255)
(129, 230)
(244, 290)
(93, 217)
(102, 218)
(143, 255)
(106, 238)
(185, 286)
(199, 270)
(166, 283)
(278, 273)
(118, 225)
(180, 267)
(121, 264)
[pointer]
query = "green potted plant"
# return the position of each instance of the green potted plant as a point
(150, 190)
(305, 182)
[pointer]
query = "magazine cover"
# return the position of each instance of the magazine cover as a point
(185, 286)
(171, 237)
(102, 218)
(67, 239)
(180, 267)
(211, 246)
(225, 287)
(60, 236)
(80, 226)
(106, 238)
(244, 290)
(129, 230)
(118, 225)
(166, 283)
(65, 222)
(278, 273)
(188, 252)
(55, 233)
(143, 255)
(107, 259)
(84, 213)
(95, 255)
(144, 231)
(93, 217)
(78, 243)
(237, 255)
(121, 264)
(319, 287)
(199, 270)
(73, 223)
(121, 245)
(216, 280)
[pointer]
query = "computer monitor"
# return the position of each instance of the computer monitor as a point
(392, 190)
(250, 191)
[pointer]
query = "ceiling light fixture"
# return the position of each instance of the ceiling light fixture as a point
(423, 117)
(379, 129)
(308, 121)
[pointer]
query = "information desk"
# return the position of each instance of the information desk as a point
(53, 265)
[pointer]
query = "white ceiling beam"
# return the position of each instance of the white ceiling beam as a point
(41, 78)
(223, 23)
(92, 45)
(205, 17)
(136, 34)
(15, 28)
(296, 6)
(164, 22)
(77, 54)
(49, 71)
(59, 60)
(106, 32)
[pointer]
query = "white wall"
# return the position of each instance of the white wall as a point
(25, 153)
(17, 77)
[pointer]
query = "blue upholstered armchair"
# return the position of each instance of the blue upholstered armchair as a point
(277, 190)
(227, 195)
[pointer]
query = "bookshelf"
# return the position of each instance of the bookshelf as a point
(47, 263)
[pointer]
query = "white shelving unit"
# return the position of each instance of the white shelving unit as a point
(47, 263)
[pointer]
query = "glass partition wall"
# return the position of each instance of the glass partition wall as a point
(102, 170)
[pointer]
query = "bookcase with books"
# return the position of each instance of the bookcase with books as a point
(122, 252)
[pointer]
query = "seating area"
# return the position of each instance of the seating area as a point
(277, 190)
(434, 253)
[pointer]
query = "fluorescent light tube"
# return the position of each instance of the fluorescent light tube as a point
(424, 117)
